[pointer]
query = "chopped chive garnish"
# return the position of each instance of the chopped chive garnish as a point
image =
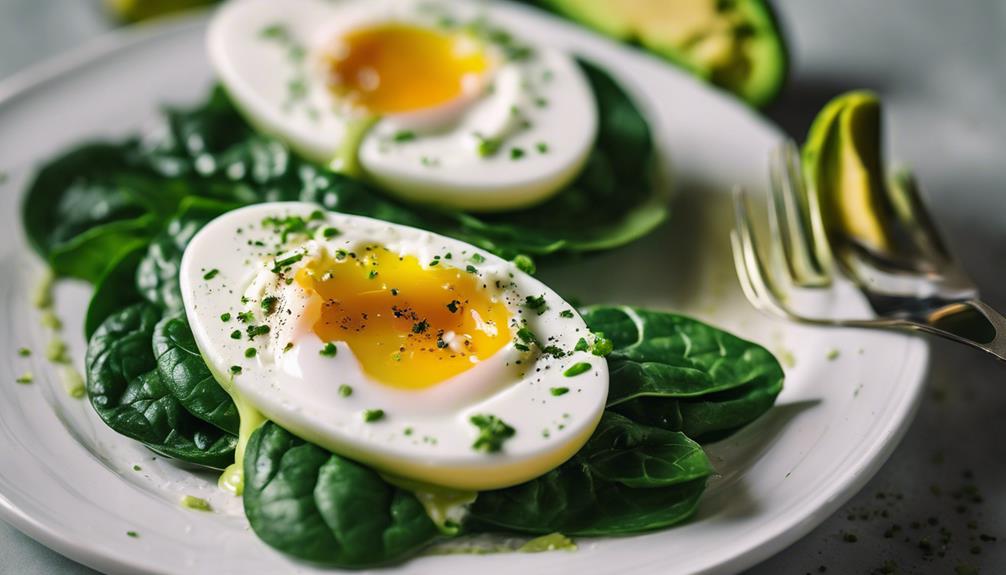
(404, 136)
(225, 317)
(581, 345)
(472, 269)
(329, 232)
(536, 303)
(256, 330)
(235, 369)
(288, 261)
(407, 431)
(554, 351)
(602, 345)
(372, 415)
(526, 335)
(211, 274)
(567, 313)
(251, 352)
(329, 350)
(576, 369)
(488, 146)
(269, 304)
(345, 390)
(236, 334)
(542, 147)
(132, 534)
(516, 153)
(288, 346)
(245, 316)
(478, 258)
(525, 264)
(434, 263)
(25, 378)
(372, 274)
(493, 431)
(557, 391)
(24, 352)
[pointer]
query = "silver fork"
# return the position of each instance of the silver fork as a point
(913, 284)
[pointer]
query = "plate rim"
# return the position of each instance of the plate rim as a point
(790, 527)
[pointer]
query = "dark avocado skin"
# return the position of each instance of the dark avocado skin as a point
(769, 62)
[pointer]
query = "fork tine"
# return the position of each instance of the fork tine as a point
(759, 289)
(795, 220)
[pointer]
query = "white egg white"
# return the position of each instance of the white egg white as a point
(538, 107)
(425, 435)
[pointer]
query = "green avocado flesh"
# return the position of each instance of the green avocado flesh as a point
(844, 169)
(735, 44)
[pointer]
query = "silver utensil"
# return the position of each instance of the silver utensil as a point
(912, 282)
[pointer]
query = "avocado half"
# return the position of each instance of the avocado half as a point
(735, 44)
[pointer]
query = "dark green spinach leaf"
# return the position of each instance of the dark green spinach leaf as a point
(157, 273)
(627, 478)
(127, 392)
(681, 374)
(326, 509)
(187, 376)
(115, 290)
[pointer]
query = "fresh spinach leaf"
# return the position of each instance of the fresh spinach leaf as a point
(95, 203)
(187, 376)
(89, 255)
(157, 273)
(326, 509)
(681, 374)
(627, 478)
(127, 392)
(73, 193)
(115, 290)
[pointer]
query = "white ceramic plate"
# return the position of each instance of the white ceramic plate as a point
(68, 481)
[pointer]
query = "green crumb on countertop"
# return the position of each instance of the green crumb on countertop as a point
(24, 352)
(576, 369)
(550, 542)
(833, 355)
(132, 534)
(25, 378)
(196, 503)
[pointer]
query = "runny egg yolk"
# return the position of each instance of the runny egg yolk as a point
(394, 68)
(409, 326)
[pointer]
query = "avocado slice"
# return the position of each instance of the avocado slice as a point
(735, 44)
(844, 171)
(136, 10)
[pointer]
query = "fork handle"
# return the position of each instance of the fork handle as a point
(971, 322)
